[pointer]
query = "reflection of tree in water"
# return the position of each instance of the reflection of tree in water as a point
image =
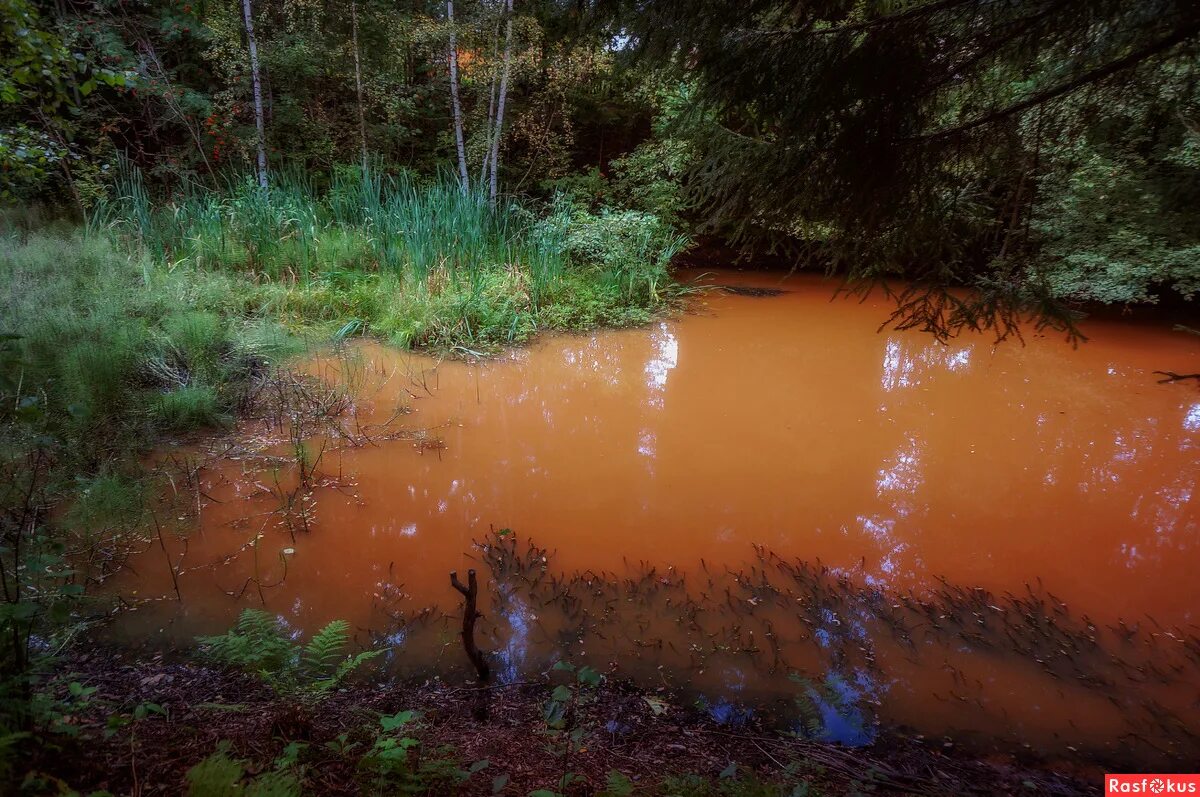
(1052, 430)
(739, 634)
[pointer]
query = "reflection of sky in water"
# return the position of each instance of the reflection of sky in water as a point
(594, 358)
(666, 358)
(292, 632)
(841, 717)
(393, 645)
(840, 709)
(903, 473)
(724, 711)
(881, 530)
(512, 656)
(897, 483)
(646, 443)
(1173, 500)
(900, 367)
(1191, 421)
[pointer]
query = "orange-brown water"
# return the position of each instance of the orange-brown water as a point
(995, 543)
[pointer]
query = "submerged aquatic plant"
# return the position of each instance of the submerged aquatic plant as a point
(841, 640)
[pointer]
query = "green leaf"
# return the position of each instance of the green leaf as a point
(290, 755)
(396, 721)
(729, 771)
(561, 694)
(588, 676)
(79, 690)
(499, 782)
(618, 785)
(554, 713)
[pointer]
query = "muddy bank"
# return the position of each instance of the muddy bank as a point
(643, 735)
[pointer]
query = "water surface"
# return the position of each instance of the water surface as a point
(764, 500)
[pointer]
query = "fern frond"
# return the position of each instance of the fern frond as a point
(324, 649)
(348, 665)
(274, 784)
(215, 776)
(219, 775)
(255, 643)
(258, 644)
(352, 663)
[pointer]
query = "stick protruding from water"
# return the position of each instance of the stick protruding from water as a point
(470, 594)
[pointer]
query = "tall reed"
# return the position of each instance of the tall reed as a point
(289, 231)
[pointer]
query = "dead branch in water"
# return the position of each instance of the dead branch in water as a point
(470, 615)
(470, 595)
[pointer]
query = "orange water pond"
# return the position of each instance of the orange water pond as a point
(763, 502)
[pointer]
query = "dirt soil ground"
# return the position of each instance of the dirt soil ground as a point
(642, 735)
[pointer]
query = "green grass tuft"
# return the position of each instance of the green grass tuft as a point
(186, 408)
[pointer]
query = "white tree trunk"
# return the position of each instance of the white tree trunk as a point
(491, 116)
(463, 180)
(499, 131)
(362, 120)
(258, 102)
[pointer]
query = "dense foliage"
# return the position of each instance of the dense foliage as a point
(1037, 150)
(951, 142)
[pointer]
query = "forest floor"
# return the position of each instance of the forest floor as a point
(658, 746)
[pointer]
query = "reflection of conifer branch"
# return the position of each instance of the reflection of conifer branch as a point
(1171, 376)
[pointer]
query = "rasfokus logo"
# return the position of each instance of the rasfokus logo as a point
(1152, 784)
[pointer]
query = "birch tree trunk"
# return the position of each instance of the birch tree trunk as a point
(491, 116)
(362, 121)
(258, 102)
(463, 180)
(498, 133)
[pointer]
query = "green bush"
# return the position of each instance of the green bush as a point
(1115, 215)
(629, 248)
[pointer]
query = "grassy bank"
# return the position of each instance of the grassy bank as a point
(158, 317)
(422, 265)
(164, 315)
